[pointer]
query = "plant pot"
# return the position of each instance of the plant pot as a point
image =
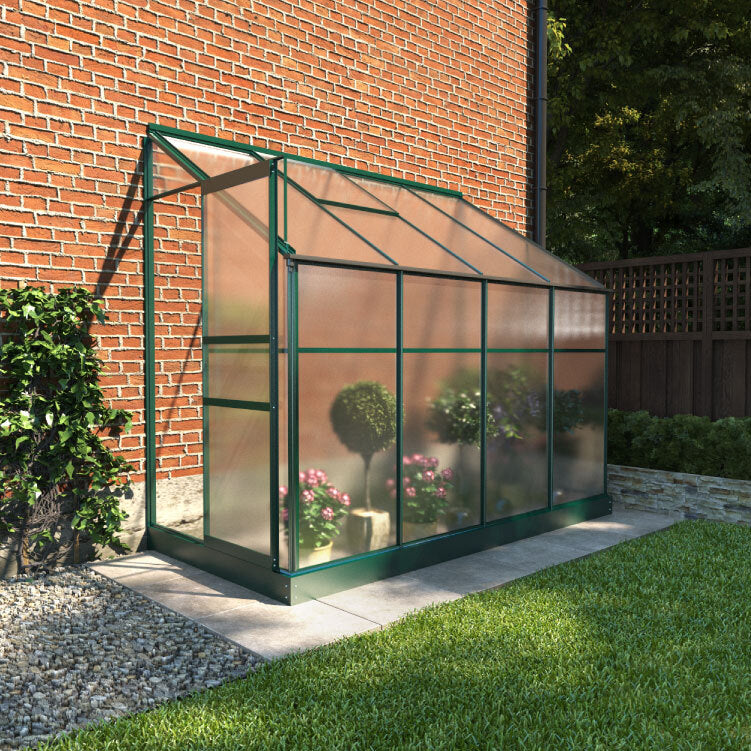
(418, 530)
(368, 530)
(314, 556)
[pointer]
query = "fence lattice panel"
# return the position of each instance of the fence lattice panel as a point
(680, 333)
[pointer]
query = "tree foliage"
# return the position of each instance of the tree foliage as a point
(649, 142)
(363, 416)
(54, 466)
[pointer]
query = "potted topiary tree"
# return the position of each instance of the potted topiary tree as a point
(363, 415)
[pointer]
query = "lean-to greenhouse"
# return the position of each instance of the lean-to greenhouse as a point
(351, 375)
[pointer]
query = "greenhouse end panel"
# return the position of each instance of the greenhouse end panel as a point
(350, 376)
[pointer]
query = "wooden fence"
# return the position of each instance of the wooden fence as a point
(680, 333)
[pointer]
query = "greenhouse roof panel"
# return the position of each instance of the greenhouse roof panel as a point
(529, 253)
(347, 215)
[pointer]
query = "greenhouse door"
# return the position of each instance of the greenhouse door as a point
(236, 375)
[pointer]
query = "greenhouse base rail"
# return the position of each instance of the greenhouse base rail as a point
(313, 583)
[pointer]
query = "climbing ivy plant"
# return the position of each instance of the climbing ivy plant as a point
(56, 473)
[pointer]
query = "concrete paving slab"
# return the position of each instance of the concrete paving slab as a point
(388, 600)
(270, 629)
(132, 570)
(196, 597)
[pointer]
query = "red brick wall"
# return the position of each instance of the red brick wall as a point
(436, 92)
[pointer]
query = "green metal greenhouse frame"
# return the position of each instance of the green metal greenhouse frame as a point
(279, 573)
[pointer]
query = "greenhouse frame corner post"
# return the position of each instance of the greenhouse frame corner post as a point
(608, 303)
(399, 403)
(148, 333)
(551, 393)
(484, 401)
(273, 367)
(293, 461)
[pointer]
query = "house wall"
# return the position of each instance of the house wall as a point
(438, 92)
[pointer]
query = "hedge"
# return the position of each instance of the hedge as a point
(683, 443)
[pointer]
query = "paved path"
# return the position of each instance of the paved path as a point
(270, 629)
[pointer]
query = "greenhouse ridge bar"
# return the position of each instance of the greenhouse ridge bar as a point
(376, 375)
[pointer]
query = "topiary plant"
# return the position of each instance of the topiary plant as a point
(363, 416)
(55, 470)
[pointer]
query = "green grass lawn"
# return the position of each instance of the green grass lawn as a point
(643, 646)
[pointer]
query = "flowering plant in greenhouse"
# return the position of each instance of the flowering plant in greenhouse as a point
(426, 488)
(321, 508)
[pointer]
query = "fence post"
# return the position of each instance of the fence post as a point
(705, 405)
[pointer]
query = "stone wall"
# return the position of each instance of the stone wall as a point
(681, 495)
(180, 506)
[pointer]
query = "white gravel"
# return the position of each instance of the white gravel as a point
(77, 648)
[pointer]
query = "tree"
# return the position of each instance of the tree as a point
(363, 416)
(649, 127)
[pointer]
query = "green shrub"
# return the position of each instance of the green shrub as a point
(682, 443)
(55, 471)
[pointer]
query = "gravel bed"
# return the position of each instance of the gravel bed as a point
(77, 648)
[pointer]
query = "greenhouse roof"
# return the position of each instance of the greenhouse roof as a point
(344, 215)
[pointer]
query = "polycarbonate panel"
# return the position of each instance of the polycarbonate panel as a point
(178, 376)
(580, 320)
(236, 255)
(578, 426)
(513, 243)
(400, 241)
(517, 317)
(517, 452)
(238, 462)
(213, 160)
(441, 462)
(442, 228)
(333, 460)
(327, 184)
(239, 371)
(311, 231)
(346, 307)
(444, 313)
(167, 174)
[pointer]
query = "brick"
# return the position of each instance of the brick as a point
(360, 84)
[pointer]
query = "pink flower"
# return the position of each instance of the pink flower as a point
(308, 496)
(392, 493)
(411, 492)
(407, 481)
(428, 475)
(327, 513)
(332, 492)
(282, 491)
(433, 462)
(302, 476)
(321, 475)
(345, 499)
(448, 474)
(417, 458)
(441, 492)
(407, 461)
(390, 483)
(285, 514)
